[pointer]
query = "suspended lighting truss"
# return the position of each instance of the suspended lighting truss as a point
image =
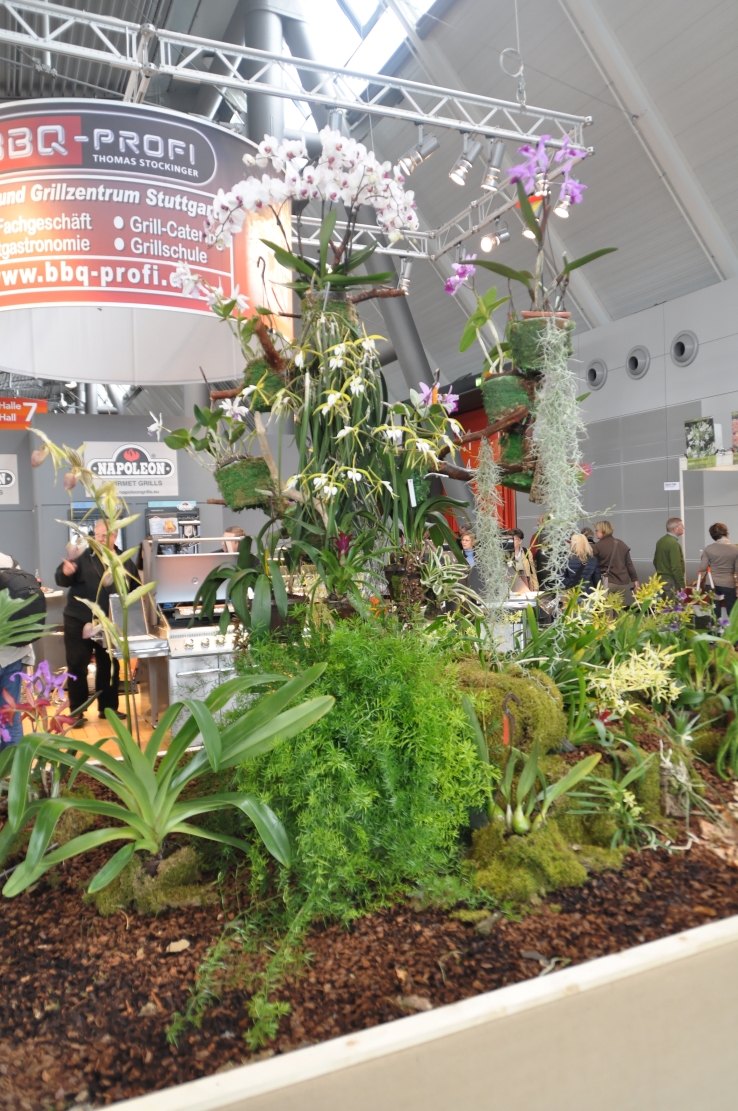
(148, 52)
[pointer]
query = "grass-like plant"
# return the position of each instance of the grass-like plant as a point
(150, 807)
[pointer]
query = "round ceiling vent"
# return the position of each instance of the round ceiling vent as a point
(638, 362)
(596, 374)
(684, 348)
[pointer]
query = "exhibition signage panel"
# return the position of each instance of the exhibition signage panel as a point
(137, 471)
(9, 480)
(100, 202)
(18, 412)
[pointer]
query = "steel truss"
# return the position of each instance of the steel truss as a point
(147, 52)
(426, 244)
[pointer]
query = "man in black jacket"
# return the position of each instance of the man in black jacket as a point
(85, 576)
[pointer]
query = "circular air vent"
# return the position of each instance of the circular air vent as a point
(684, 348)
(596, 374)
(638, 362)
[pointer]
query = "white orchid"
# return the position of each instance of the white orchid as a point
(354, 476)
(320, 480)
(184, 278)
(345, 431)
(330, 402)
(329, 492)
(394, 435)
(357, 386)
(369, 345)
(233, 410)
(292, 482)
(157, 427)
(300, 359)
(388, 487)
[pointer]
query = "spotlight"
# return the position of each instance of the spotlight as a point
(460, 169)
(71, 385)
(562, 208)
(406, 266)
(528, 233)
(491, 240)
(422, 150)
(491, 178)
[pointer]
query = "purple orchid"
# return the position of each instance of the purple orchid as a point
(572, 189)
(449, 399)
(44, 683)
(535, 162)
(343, 543)
(463, 270)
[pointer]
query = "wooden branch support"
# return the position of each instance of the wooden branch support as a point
(369, 293)
(515, 416)
(272, 356)
(218, 395)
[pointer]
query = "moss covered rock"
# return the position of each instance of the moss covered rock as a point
(245, 483)
(538, 712)
(175, 883)
(516, 868)
(525, 337)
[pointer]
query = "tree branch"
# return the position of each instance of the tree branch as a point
(515, 416)
(369, 293)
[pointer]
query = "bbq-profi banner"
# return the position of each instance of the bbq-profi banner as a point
(99, 202)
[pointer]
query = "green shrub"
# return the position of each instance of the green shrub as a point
(374, 796)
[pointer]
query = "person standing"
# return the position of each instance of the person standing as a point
(232, 537)
(522, 568)
(583, 568)
(467, 546)
(721, 557)
(668, 559)
(88, 580)
(14, 659)
(616, 566)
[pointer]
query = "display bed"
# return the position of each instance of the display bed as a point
(86, 1000)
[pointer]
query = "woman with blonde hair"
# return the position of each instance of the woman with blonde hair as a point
(583, 568)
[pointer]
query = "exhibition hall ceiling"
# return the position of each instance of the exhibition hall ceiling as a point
(654, 77)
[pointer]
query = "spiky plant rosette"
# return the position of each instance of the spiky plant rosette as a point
(557, 432)
(488, 553)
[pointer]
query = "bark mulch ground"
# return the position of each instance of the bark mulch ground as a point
(86, 1001)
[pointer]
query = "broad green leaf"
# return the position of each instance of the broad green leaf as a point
(208, 835)
(109, 871)
(343, 281)
(574, 776)
(134, 757)
(261, 606)
(569, 266)
(288, 260)
(166, 722)
(24, 876)
(281, 728)
(18, 786)
(278, 587)
(361, 257)
(528, 774)
(271, 830)
(208, 731)
(477, 731)
(522, 276)
(528, 214)
(49, 814)
(137, 594)
(326, 231)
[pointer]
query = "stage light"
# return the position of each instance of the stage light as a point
(71, 385)
(491, 240)
(406, 266)
(562, 208)
(418, 153)
(460, 169)
(491, 179)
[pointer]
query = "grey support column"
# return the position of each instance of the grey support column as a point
(404, 336)
(91, 398)
(195, 393)
(263, 28)
(297, 37)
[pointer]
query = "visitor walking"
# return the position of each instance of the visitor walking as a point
(583, 568)
(15, 658)
(721, 560)
(87, 579)
(616, 566)
(668, 558)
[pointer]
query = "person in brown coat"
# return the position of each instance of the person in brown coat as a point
(616, 566)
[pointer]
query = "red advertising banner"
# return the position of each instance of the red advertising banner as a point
(99, 203)
(18, 412)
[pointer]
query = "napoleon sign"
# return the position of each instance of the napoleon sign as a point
(136, 470)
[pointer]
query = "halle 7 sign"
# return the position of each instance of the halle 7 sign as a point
(18, 412)
(137, 471)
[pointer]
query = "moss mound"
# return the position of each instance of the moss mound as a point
(561, 853)
(524, 337)
(258, 373)
(503, 392)
(539, 712)
(175, 884)
(245, 483)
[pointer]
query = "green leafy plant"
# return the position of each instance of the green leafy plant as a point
(615, 798)
(14, 629)
(252, 586)
(444, 578)
(150, 808)
(533, 796)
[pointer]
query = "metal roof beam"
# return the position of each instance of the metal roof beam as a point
(652, 132)
(180, 55)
